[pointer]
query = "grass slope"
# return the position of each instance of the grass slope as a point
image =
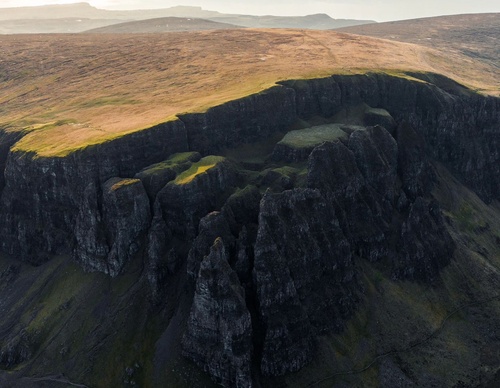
(474, 35)
(99, 87)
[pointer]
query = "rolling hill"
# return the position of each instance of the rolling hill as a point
(475, 35)
(169, 24)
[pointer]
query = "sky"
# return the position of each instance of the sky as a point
(379, 10)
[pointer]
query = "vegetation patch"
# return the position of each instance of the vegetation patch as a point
(51, 125)
(176, 161)
(108, 101)
(312, 137)
(124, 182)
(198, 168)
(468, 219)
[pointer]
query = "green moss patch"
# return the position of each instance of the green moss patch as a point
(177, 162)
(312, 137)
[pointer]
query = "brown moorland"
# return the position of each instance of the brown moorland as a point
(70, 91)
(475, 35)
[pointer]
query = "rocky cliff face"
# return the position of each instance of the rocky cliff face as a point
(271, 273)
(44, 196)
(304, 287)
(242, 121)
(460, 128)
(7, 140)
(108, 236)
(219, 331)
(362, 181)
(333, 170)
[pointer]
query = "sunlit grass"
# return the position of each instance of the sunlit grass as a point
(197, 169)
(310, 137)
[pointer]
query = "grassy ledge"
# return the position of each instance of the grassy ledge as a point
(197, 169)
(65, 138)
(311, 137)
(123, 183)
(176, 162)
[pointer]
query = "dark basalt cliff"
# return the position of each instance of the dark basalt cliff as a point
(271, 254)
(304, 287)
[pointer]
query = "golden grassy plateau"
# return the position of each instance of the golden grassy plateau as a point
(71, 91)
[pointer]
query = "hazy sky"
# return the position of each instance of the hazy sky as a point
(380, 10)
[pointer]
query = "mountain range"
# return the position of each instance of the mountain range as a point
(80, 17)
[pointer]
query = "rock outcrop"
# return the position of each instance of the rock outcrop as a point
(157, 258)
(460, 129)
(219, 330)
(362, 181)
(333, 170)
(242, 207)
(91, 247)
(376, 154)
(156, 176)
(127, 216)
(303, 286)
(108, 236)
(296, 146)
(373, 117)
(187, 199)
(214, 225)
(7, 140)
(425, 247)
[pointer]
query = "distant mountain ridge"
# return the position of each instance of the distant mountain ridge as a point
(85, 10)
(319, 21)
(43, 18)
